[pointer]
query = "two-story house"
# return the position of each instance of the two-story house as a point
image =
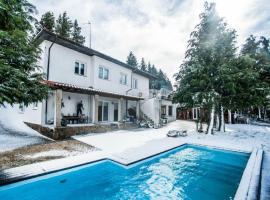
(87, 87)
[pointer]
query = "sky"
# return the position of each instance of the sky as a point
(157, 30)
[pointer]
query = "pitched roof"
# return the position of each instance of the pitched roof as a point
(52, 37)
(87, 90)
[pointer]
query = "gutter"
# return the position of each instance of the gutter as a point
(48, 71)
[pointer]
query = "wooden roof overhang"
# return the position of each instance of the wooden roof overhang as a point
(84, 90)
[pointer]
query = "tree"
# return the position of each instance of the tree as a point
(204, 75)
(255, 60)
(20, 81)
(250, 47)
(143, 65)
(132, 60)
(76, 33)
(63, 26)
(47, 22)
(149, 67)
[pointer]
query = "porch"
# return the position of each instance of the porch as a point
(70, 106)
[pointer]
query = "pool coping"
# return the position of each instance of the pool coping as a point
(247, 189)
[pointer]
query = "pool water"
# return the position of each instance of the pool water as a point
(188, 172)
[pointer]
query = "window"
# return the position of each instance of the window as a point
(134, 83)
(35, 105)
(21, 108)
(79, 68)
(170, 110)
(103, 73)
(163, 110)
(123, 79)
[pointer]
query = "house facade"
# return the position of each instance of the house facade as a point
(86, 87)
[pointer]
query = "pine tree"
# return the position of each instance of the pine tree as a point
(63, 26)
(143, 65)
(76, 33)
(132, 60)
(47, 22)
(254, 61)
(20, 81)
(250, 47)
(149, 67)
(204, 76)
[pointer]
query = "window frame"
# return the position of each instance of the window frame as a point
(21, 108)
(101, 75)
(125, 79)
(35, 105)
(80, 68)
(134, 80)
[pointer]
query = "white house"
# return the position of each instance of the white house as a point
(106, 89)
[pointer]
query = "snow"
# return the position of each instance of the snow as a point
(129, 145)
(14, 133)
(51, 153)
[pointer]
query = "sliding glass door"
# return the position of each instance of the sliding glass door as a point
(103, 111)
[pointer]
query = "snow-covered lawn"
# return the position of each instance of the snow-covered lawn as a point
(14, 133)
(129, 145)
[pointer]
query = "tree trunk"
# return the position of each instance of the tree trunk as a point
(259, 113)
(211, 122)
(222, 122)
(229, 116)
(217, 121)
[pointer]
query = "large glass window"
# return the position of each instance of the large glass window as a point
(123, 79)
(103, 73)
(79, 68)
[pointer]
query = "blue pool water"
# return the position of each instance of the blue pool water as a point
(188, 172)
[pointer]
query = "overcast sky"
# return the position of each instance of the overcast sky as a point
(157, 30)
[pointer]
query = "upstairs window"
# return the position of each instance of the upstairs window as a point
(103, 73)
(79, 68)
(134, 83)
(123, 79)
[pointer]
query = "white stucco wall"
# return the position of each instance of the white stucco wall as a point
(151, 108)
(168, 103)
(62, 65)
(30, 114)
(113, 84)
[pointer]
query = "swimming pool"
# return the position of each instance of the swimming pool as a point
(187, 172)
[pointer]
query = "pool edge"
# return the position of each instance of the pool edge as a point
(21, 175)
(249, 186)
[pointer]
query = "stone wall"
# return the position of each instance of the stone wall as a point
(60, 133)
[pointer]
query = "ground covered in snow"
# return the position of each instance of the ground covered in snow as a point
(242, 136)
(14, 133)
(43, 152)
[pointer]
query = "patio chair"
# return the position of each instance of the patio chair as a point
(177, 133)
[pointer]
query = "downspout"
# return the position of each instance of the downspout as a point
(48, 70)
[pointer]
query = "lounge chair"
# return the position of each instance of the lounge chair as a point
(177, 133)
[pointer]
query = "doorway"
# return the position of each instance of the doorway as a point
(103, 111)
(115, 112)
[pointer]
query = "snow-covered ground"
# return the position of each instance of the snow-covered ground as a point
(129, 145)
(14, 133)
